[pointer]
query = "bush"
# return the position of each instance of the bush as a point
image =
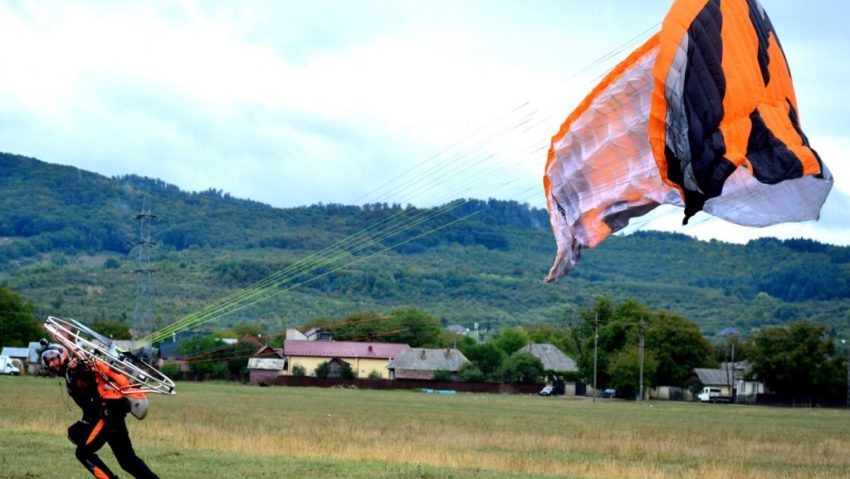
(298, 370)
(111, 263)
(347, 372)
(471, 374)
(522, 368)
(172, 370)
(375, 375)
(323, 369)
(442, 375)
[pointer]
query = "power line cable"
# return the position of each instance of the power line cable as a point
(455, 158)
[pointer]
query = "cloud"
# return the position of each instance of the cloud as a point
(293, 103)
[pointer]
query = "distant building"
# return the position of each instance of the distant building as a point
(364, 358)
(15, 353)
(457, 329)
(732, 381)
(34, 365)
(421, 363)
(270, 352)
(266, 366)
(715, 378)
(553, 359)
(460, 330)
(316, 334)
(18, 357)
(292, 333)
(168, 349)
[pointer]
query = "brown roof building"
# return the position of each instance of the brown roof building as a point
(421, 363)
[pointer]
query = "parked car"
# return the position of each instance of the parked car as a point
(6, 366)
(608, 393)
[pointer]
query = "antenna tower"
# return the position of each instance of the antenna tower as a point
(143, 311)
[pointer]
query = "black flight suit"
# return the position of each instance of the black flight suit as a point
(103, 422)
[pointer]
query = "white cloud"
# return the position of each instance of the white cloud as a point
(293, 103)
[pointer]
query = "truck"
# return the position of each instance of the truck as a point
(710, 394)
(6, 366)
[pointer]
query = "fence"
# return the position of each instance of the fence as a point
(801, 401)
(309, 381)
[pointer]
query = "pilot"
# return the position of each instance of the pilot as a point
(104, 410)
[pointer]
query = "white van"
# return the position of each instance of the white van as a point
(6, 366)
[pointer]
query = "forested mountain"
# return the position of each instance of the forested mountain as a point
(67, 241)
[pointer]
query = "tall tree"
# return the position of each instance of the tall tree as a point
(486, 357)
(416, 328)
(799, 362)
(673, 344)
(510, 340)
(625, 371)
(18, 324)
(678, 347)
(204, 355)
(522, 368)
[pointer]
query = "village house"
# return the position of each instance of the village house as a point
(266, 366)
(746, 388)
(458, 329)
(292, 333)
(553, 359)
(365, 359)
(732, 380)
(421, 363)
(715, 378)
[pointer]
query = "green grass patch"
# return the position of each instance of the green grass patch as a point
(227, 430)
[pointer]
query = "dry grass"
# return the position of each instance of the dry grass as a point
(223, 430)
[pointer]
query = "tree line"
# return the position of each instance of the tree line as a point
(797, 362)
(803, 360)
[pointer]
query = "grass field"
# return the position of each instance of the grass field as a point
(212, 430)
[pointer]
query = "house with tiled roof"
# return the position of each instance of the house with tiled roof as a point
(15, 353)
(553, 359)
(266, 365)
(732, 380)
(365, 358)
(422, 363)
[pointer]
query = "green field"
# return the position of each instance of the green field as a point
(233, 431)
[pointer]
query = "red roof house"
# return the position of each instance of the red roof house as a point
(366, 359)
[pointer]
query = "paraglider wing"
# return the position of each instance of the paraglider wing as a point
(724, 125)
(600, 171)
(703, 115)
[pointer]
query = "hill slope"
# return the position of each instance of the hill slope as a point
(67, 238)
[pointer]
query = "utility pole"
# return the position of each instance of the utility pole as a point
(642, 331)
(734, 388)
(726, 364)
(595, 348)
(847, 348)
(729, 365)
(143, 311)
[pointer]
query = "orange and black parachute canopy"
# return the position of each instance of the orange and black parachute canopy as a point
(724, 99)
(702, 115)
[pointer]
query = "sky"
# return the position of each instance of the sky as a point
(412, 102)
